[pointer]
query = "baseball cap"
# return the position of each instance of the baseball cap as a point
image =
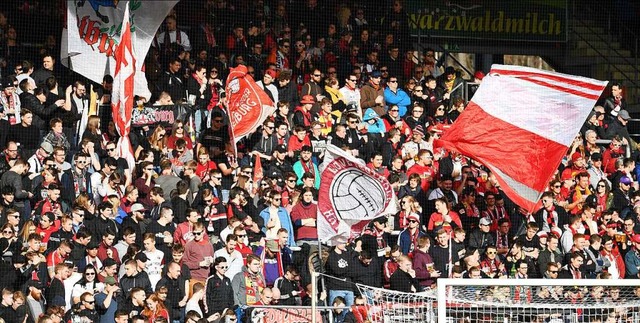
(485, 221)
(35, 283)
(636, 238)
(109, 262)
(542, 234)
(624, 114)
(271, 72)
(7, 82)
(307, 99)
(47, 147)
(137, 207)
(109, 280)
(281, 149)
(376, 73)
(142, 257)
(413, 216)
(625, 180)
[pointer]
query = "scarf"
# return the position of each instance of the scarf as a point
(335, 94)
(254, 286)
(375, 87)
(308, 167)
(551, 216)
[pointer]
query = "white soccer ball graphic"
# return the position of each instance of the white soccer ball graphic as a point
(356, 195)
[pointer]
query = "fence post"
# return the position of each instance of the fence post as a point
(442, 301)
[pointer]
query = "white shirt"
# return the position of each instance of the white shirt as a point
(234, 261)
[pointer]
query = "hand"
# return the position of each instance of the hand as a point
(434, 274)
(182, 303)
(319, 97)
(446, 96)
(59, 103)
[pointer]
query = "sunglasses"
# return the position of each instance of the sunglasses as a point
(291, 180)
(8, 232)
(223, 267)
(92, 302)
(393, 81)
(272, 127)
(241, 235)
(557, 186)
(353, 80)
(600, 185)
(394, 110)
(317, 75)
(111, 149)
(491, 252)
(217, 121)
(413, 221)
(197, 233)
(553, 271)
(90, 274)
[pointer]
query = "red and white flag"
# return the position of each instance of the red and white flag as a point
(122, 93)
(520, 124)
(89, 39)
(248, 104)
(351, 195)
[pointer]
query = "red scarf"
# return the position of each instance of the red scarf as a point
(308, 167)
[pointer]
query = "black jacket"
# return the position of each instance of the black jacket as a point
(175, 295)
(219, 294)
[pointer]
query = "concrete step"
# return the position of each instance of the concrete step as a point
(580, 44)
(588, 29)
(616, 75)
(620, 67)
(591, 52)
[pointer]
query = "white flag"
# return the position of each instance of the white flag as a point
(93, 27)
(351, 195)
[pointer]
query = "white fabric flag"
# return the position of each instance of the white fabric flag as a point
(351, 195)
(89, 41)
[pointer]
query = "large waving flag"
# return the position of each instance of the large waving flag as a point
(123, 87)
(248, 104)
(351, 195)
(520, 123)
(89, 39)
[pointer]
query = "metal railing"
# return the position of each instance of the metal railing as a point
(623, 31)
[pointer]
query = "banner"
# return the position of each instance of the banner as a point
(289, 315)
(89, 41)
(248, 104)
(351, 195)
(541, 20)
(520, 124)
(123, 88)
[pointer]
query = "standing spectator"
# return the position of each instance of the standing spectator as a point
(233, 257)
(219, 292)
(248, 284)
(177, 296)
(404, 279)
(199, 254)
(425, 271)
(408, 238)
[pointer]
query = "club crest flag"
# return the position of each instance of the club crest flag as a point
(351, 195)
(123, 88)
(248, 104)
(520, 124)
(89, 41)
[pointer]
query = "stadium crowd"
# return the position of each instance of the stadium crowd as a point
(194, 232)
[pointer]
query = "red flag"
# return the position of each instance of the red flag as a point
(248, 104)
(258, 173)
(122, 94)
(520, 123)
